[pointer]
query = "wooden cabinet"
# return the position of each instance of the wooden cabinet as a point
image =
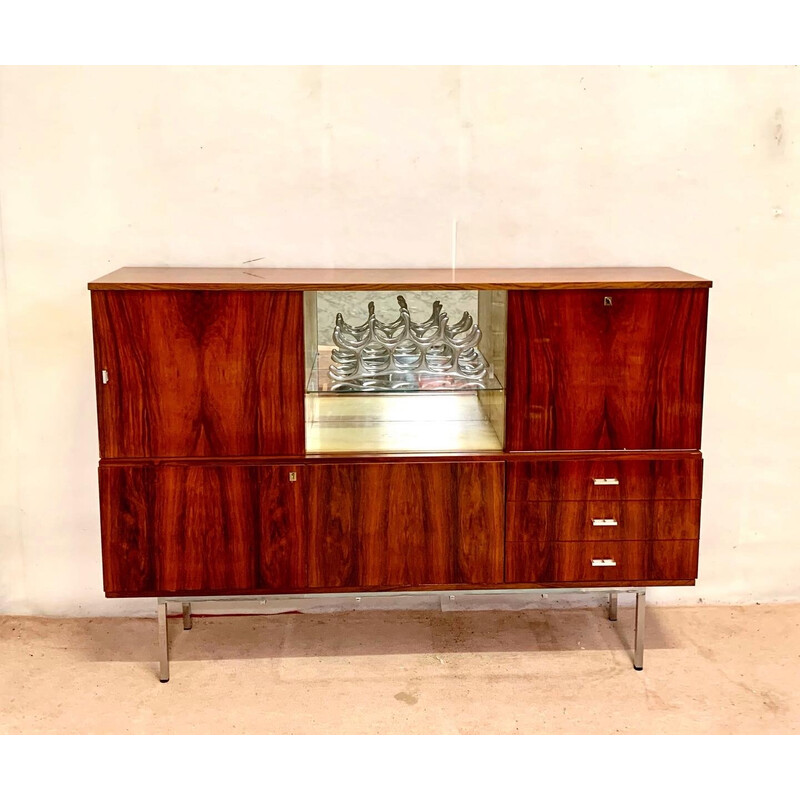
(579, 465)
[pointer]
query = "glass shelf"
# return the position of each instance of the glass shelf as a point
(321, 382)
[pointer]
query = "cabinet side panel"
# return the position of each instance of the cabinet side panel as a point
(127, 496)
(606, 370)
(199, 373)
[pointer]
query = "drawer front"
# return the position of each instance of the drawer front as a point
(598, 562)
(673, 479)
(603, 520)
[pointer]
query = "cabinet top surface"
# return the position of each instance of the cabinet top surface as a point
(271, 279)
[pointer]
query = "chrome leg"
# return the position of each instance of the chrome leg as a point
(612, 606)
(187, 616)
(163, 641)
(638, 657)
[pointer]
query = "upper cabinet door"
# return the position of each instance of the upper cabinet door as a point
(199, 373)
(606, 369)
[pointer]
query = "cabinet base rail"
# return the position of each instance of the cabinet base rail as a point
(446, 598)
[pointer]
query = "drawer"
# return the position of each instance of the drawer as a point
(655, 479)
(603, 520)
(599, 562)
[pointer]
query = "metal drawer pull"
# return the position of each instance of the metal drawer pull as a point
(605, 481)
(603, 562)
(604, 523)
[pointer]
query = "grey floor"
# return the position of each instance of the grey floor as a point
(565, 670)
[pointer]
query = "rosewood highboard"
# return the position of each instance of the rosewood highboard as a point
(310, 431)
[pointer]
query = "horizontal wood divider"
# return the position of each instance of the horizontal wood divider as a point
(376, 458)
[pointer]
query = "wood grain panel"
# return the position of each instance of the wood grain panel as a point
(401, 458)
(405, 524)
(592, 376)
(344, 278)
(572, 521)
(202, 529)
(282, 560)
(574, 480)
(199, 373)
(571, 562)
(206, 522)
(127, 501)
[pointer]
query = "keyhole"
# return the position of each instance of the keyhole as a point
(606, 301)
(292, 477)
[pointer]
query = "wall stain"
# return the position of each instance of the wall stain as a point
(777, 131)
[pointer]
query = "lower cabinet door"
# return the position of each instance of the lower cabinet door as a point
(201, 529)
(394, 525)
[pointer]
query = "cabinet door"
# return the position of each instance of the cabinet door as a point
(605, 369)
(405, 524)
(199, 373)
(202, 529)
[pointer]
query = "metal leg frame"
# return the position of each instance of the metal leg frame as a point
(163, 641)
(447, 599)
(638, 654)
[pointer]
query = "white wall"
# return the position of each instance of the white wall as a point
(695, 168)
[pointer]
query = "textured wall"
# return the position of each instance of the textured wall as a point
(695, 168)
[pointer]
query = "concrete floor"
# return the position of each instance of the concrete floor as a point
(707, 670)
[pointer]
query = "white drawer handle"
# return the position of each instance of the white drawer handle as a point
(604, 523)
(605, 481)
(603, 562)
